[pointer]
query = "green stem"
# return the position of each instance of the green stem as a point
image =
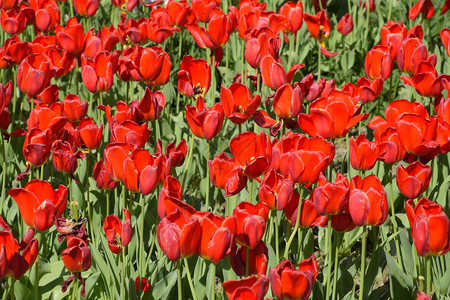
(141, 237)
(367, 21)
(107, 202)
(428, 279)
(226, 63)
(186, 169)
(124, 200)
(363, 262)
(3, 174)
(247, 261)
(250, 191)
(290, 51)
(318, 60)
(336, 264)
(329, 250)
(14, 102)
(36, 269)
(277, 243)
(11, 289)
(179, 287)
(207, 175)
(122, 277)
(390, 10)
(213, 79)
(394, 221)
(300, 244)
(75, 289)
(213, 284)
(88, 199)
(191, 285)
(297, 222)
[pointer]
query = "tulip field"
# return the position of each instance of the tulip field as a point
(225, 149)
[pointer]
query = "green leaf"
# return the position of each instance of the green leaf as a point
(163, 287)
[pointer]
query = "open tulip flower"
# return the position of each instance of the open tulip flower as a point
(77, 259)
(318, 25)
(117, 233)
(288, 282)
(194, 77)
(71, 37)
(39, 203)
(430, 227)
(238, 104)
(253, 287)
(414, 179)
(273, 74)
(149, 107)
(411, 52)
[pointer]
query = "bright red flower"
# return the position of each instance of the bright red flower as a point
(219, 29)
(290, 283)
(46, 15)
(131, 133)
(257, 258)
(257, 47)
(171, 188)
(158, 26)
(331, 117)
(178, 235)
(430, 227)
(6, 93)
(308, 214)
(411, 52)
(13, 52)
(37, 146)
(287, 102)
(86, 7)
(378, 63)
(363, 154)
(194, 77)
(250, 223)
(176, 154)
(331, 198)
(77, 259)
(34, 74)
(217, 236)
(275, 191)
(115, 155)
(8, 4)
(345, 24)
(90, 133)
(273, 73)
(13, 21)
(424, 6)
(74, 108)
(180, 12)
(445, 38)
(426, 80)
(124, 4)
(61, 60)
(133, 31)
(393, 34)
(144, 285)
(414, 179)
(238, 104)
(142, 172)
(318, 26)
(293, 12)
(150, 107)
(422, 296)
(205, 9)
(71, 37)
(251, 288)
(101, 177)
(225, 174)
(313, 90)
(44, 117)
(368, 202)
(117, 233)
(391, 150)
(368, 90)
(12, 262)
(204, 122)
(39, 203)
(98, 74)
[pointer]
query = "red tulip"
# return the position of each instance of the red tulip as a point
(142, 172)
(318, 26)
(71, 37)
(225, 174)
(204, 122)
(293, 12)
(273, 73)
(238, 104)
(44, 117)
(275, 191)
(180, 12)
(144, 285)
(39, 203)
(171, 189)
(368, 202)
(378, 63)
(194, 77)
(117, 233)
(313, 90)
(342, 222)
(426, 80)
(12, 262)
(429, 227)
(290, 283)
(445, 38)
(86, 7)
(74, 108)
(61, 60)
(250, 223)
(331, 198)
(115, 155)
(331, 117)
(149, 108)
(251, 288)
(363, 154)
(98, 74)
(257, 258)
(13, 52)
(308, 214)
(176, 154)
(131, 133)
(34, 74)
(178, 235)
(46, 15)
(90, 133)
(216, 237)
(422, 296)
(125, 5)
(6, 92)
(411, 53)
(217, 34)
(158, 26)
(37, 146)
(393, 34)
(368, 90)
(8, 4)
(414, 179)
(77, 259)
(64, 158)
(424, 6)
(345, 24)
(391, 150)
(101, 177)
(257, 47)
(205, 9)
(13, 21)
(134, 31)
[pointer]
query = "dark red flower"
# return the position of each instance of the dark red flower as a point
(144, 285)
(258, 258)
(37, 146)
(34, 74)
(424, 6)
(77, 259)
(117, 233)
(254, 288)
(101, 177)
(63, 157)
(345, 24)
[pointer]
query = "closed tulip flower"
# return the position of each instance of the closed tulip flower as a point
(293, 12)
(13, 22)
(114, 155)
(273, 74)
(86, 7)
(205, 122)
(77, 259)
(178, 235)
(171, 188)
(414, 179)
(287, 102)
(64, 158)
(98, 74)
(46, 15)
(90, 133)
(257, 260)
(445, 38)
(368, 90)
(39, 203)
(238, 104)
(378, 63)
(393, 34)
(217, 34)
(250, 223)
(368, 202)
(363, 154)
(71, 37)
(253, 287)
(345, 24)
(225, 174)
(101, 177)
(256, 48)
(37, 146)
(117, 233)
(131, 133)
(308, 214)
(331, 198)
(275, 191)
(74, 108)
(288, 282)
(34, 74)
(412, 51)
(430, 227)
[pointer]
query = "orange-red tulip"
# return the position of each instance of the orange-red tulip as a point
(414, 179)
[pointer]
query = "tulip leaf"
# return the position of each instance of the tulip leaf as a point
(400, 284)
(163, 287)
